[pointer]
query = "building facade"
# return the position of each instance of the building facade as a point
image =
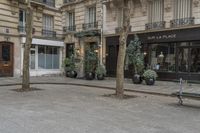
(82, 26)
(47, 46)
(169, 31)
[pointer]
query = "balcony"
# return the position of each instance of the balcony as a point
(118, 30)
(68, 1)
(182, 22)
(48, 33)
(46, 2)
(155, 25)
(90, 26)
(69, 29)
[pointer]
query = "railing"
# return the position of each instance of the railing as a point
(68, 1)
(182, 22)
(48, 33)
(89, 26)
(69, 29)
(155, 25)
(47, 2)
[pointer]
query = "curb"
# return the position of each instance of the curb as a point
(93, 86)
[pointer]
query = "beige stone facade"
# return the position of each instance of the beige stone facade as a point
(12, 31)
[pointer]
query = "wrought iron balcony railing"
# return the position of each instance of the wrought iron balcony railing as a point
(68, 1)
(46, 2)
(182, 22)
(69, 29)
(48, 33)
(155, 25)
(89, 26)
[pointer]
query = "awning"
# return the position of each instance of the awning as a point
(36, 41)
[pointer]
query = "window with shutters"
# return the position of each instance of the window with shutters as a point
(155, 14)
(182, 13)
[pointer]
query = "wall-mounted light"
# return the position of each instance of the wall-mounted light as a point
(145, 53)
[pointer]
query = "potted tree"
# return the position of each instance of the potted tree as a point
(67, 67)
(90, 64)
(150, 76)
(70, 67)
(100, 72)
(136, 58)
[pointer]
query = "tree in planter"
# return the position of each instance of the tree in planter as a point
(70, 67)
(100, 72)
(90, 64)
(136, 58)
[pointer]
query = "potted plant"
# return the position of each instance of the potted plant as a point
(136, 58)
(70, 67)
(100, 72)
(150, 76)
(67, 66)
(90, 64)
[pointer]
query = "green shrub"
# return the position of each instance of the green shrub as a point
(150, 74)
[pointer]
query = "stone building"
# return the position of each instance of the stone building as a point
(82, 24)
(47, 45)
(169, 31)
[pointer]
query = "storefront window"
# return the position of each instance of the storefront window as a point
(163, 57)
(48, 57)
(183, 65)
(195, 60)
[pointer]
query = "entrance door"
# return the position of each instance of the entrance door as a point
(6, 59)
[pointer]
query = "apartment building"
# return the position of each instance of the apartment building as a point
(82, 24)
(47, 44)
(169, 31)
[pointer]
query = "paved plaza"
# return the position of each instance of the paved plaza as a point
(76, 109)
(160, 87)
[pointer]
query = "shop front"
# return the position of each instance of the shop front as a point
(173, 54)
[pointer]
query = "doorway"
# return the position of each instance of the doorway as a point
(6, 59)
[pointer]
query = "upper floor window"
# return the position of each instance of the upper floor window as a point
(70, 21)
(91, 14)
(48, 25)
(49, 2)
(182, 9)
(155, 11)
(22, 20)
(155, 15)
(182, 13)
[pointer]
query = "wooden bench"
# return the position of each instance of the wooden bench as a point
(180, 94)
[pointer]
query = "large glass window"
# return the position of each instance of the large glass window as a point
(195, 60)
(182, 9)
(48, 57)
(163, 57)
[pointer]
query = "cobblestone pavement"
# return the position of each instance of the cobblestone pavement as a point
(161, 87)
(75, 109)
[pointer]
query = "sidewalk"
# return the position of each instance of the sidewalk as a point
(160, 87)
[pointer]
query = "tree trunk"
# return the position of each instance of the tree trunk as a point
(27, 46)
(122, 49)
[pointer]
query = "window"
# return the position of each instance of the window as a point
(182, 9)
(155, 11)
(48, 25)
(49, 2)
(70, 21)
(163, 57)
(91, 14)
(48, 22)
(22, 20)
(48, 57)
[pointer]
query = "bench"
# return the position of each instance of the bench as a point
(180, 94)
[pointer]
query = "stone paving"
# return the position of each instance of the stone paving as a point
(76, 109)
(161, 87)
